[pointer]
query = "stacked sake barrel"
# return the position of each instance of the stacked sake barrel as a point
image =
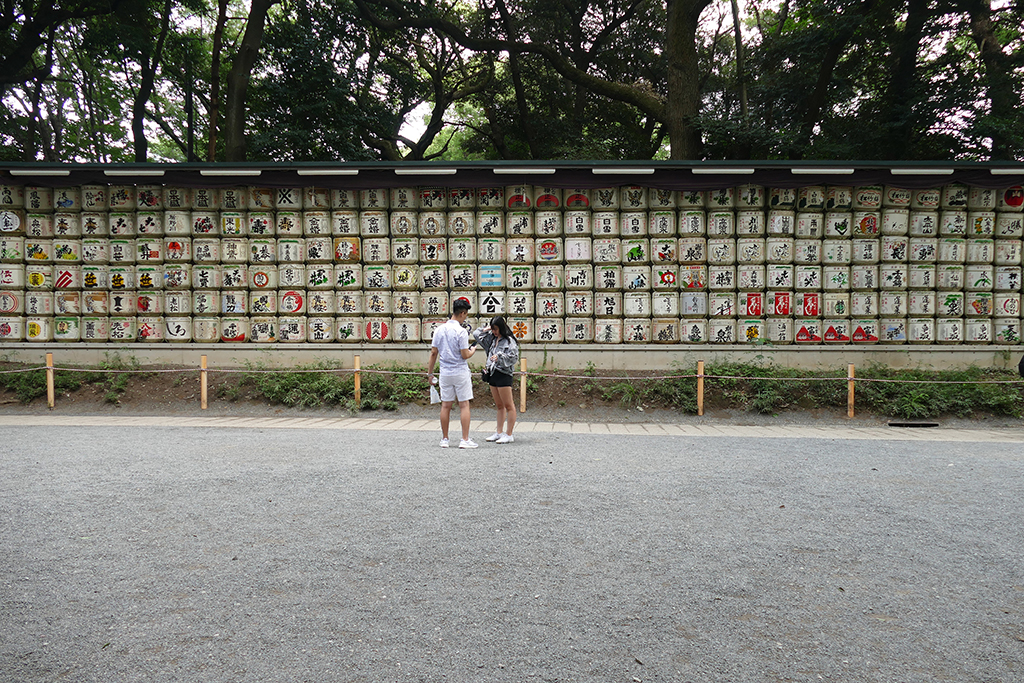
(809, 265)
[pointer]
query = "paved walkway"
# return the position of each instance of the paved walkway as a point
(1002, 435)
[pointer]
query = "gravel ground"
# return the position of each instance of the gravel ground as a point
(316, 555)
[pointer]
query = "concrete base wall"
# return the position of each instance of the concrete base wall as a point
(564, 356)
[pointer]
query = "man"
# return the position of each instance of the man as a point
(451, 346)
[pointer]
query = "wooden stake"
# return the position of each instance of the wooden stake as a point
(849, 391)
(203, 395)
(51, 399)
(700, 387)
(358, 387)
(522, 385)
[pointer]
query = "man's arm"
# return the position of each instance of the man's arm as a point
(431, 362)
(468, 353)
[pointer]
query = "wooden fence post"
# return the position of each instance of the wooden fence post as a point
(522, 385)
(358, 384)
(51, 398)
(203, 384)
(849, 391)
(700, 387)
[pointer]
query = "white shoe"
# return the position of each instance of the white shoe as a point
(444, 443)
(506, 438)
(468, 444)
(494, 437)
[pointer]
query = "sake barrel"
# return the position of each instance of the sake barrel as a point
(693, 331)
(866, 223)
(39, 329)
(779, 304)
(234, 302)
(893, 275)
(234, 329)
(1007, 304)
(177, 303)
(667, 304)
(95, 303)
(235, 276)
(893, 196)
(636, 330)
(810, 225)
(979, 331)
(922, 302)
(949, 276)
(836, 252)
(691, 277)
(151, 329)
(953, 223)
(722, 304)
(921, 330)
(750, 250)
(38, 303)
(838, 224)
(982, 198)
(893, 303)
(950, 304)
(1010, 225)
(693, 223)
(721, 223)
(836, 304)
(864, 277)
(292, 329)
(807, 277)
(895, 221)
(12, 303)
(836, 278)
(863, 304)
(950, 330)
(67, 303)
(39, 277)
(263, 329)
(864, 331)
(924, 224)
(779, 330)
(808, 331)
(549, 330)
(780, 249)
(95, 329)
(981, 223)
(835, 331)
(980, 251)
(206, 330)
(807, 304)
(177, 223)
(1007, 278)
(608, 330)
(579, 276)
(780, 276)
(12, 249)
(749, 304)
(751, 223)
(1008, 252)
(750, 277)
(924, 249)
(1006, 330)
(665, 330)
(979, 277)
(922, 276)
(123, 329)
(579, 330)
(662, 223)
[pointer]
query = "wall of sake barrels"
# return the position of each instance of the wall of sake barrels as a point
(607, 267)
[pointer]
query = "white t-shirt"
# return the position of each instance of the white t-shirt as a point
(449, 340)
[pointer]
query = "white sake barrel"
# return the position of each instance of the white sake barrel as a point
(235, 276)
(292, 329)
(780, 276)
(461, 198)
(893, 275)
(373, 223)
(865, 251)
(406, 198)
(234, 302)
(519, 303)
(122, 251)
(924, 250)
(549, 304)
(204, 224)
(177, 329)
(433, 224)
(633, 197)
(981, 251)
(691, 250)
(895, 221)
(38, 250)
(981, 223)
(70, 224)
(809, 331)
(664, 250)
(979, 304)
(519, 224)
(950, 330)
(1009, 225)
(979, 277)
(721, 251)
(662, 223)
(578, 249)
(234, 329)
(635, 304)
(490, 197)
(12, 196)
(289, 224)
(608, 330)
(319, 276)
(953, 196)
(722, 330)
(289, 250)
(550, 250)
(922, 276)
(579, 276)
(633, 223)
(41, 198)
(1008, 252)
(491, 223)
(782, 197)
(893, 196)
(692, 222)
(636, 250)
(807, 277)
(178, 303)
(12, 222)
(231, 198)
(518, 197)
(722, 304)
(667, 303)
(320, 330)
(607, 250)
(779, 304)
(780, 249)
(779, 330)
(750, 277)
(921, 330)
(351, 303)
(636, 278)
(405, 330)
(1007, 278)
(895, 249)
(579, 330)
(926, 199)
(293, 301)
(982, 198)
(949, 276)
(263, 329)
(892, 330)
(1004, 330)
(405, 304)
(150, 250)
(346, 222)
(750, 250)
(864, 277)
(206, 330)
(404, 277)
(39, 329)
(922, 302)
(953, 223)
(521, 250)
(67, 303)
(549, 330)
(835, 278)
(123, 329)
(636, 330)
(688, 199)
(579, 303)
(835, 331)
(605, 224)
(864, 304)
(12, 302)
(751, 223)
(204, 198)
(289, 198)
(693, 331)
(263, 250)
(838, 224)
(810, 197)
(68, 276)
(38, 277)
(721, 223)
(663, 199)
(836, 304)
(950, 304)
(864, 331)
(810, 225)
(207, 277)
(1007, 304)
(318, 302)
(608, 276)
(379, 303)
(461, 223)
(96, 250)
(893, 303)
(924, 224)
(12, 249)
(866, 223)
(836, 252)
(665, 330)
(431, 198)
(577, 223)
(95, 329)
(807, 251)
(376, 250)
(979, 331)
(175, 223)
(314, 223)
(807, 304)
(38, 303)
(693, 276)
(750, 304)
(176, 249)
(952, 250)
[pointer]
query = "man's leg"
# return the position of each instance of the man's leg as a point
(446, 414)
(464, 409)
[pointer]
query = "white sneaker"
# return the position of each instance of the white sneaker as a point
(468, 444)
(494, 437)
(506, 438)
(444, 443)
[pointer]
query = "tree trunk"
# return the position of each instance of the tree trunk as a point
(1000, 88)
(218, 46)
(146, 85)
(238, 80)
(683, 78)
(898, 102)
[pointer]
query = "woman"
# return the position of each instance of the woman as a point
(502, 357)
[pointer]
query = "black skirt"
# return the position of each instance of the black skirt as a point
(499, 379)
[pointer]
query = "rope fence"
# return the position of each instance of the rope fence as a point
(204, 372)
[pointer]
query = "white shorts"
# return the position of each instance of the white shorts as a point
(456, 387)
